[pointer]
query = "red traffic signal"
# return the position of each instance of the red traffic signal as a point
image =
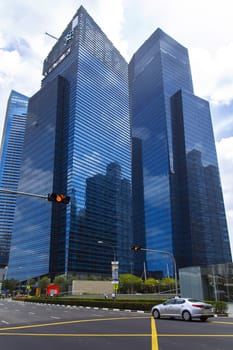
(58, 198)
(136, 248)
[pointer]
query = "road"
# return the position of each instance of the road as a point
(41, 326)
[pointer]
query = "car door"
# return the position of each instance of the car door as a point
(178, 306)
(168, 309)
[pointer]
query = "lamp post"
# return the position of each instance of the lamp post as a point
(115, 268)
(136, 248)
(110, 246)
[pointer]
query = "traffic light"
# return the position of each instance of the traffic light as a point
(136, 248)
(58, 198)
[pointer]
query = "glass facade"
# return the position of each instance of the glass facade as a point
(178, 212)
(213, 282)
(77, 142)
(199, 216)
(95, 124)
(10, 162)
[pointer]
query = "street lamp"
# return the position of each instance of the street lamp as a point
(110, 246)
(115, 268)
(137, 248)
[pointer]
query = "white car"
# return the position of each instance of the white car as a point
(185, 308)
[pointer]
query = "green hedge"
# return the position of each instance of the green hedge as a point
(132, 304)
(220, 307)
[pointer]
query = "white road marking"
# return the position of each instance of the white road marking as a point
(3, 321)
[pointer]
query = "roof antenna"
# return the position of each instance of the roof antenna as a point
(51, 36)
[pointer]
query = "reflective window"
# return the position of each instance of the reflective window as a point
(182, 211)
(10, 162)
(77, 142)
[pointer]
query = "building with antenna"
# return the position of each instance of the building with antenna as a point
(77, 142)
(134, 149)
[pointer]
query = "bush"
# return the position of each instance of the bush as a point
(144, 305)
(220, 307)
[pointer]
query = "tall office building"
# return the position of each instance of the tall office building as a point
(10, 163)
(182, 210)
(77, 142)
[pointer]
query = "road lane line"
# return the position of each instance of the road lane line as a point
(3, 321)
(71, 322)
(222, 322)
(76, 334)
(92, 335)
(154, 335)
(195, 335)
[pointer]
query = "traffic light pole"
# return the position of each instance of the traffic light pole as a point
(52, 197)
(167, 253)
(23, 193)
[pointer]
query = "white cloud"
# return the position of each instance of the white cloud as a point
(213, 73)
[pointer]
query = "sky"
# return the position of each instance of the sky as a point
(204, 27)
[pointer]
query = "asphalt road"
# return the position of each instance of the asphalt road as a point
(40, 326)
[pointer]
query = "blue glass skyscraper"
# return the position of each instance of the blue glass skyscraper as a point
(77, 142)
(10, 164)
(182, 211)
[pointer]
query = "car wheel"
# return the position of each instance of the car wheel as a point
(203, 318)
(156, 313)
(186, 316)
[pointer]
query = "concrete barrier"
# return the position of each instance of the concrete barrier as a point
(91, 287)
(230, 309)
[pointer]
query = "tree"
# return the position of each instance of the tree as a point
(31, 281)
(64, 282)
(10, 285)
(130, 283)
(43, 283)
(59, 280)
(151, 285)
(168, 283)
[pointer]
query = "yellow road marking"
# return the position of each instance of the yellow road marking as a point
(195, 335)
(71, 322)
(154, 335)
(154, 341)
(154, 338)
(222, 322)
(75, 335)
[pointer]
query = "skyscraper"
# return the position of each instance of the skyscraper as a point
(77, 142)
(183, 206)
(10, 163)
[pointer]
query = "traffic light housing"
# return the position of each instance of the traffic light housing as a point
(136, 248)
(58, 198)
